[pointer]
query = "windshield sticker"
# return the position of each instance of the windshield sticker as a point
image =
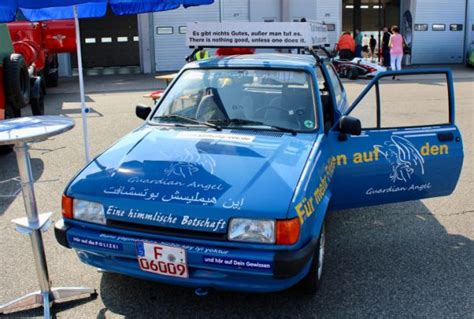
(307, 206)
(215, 136)
(166, 219)
(237, 263)
(308, 124)
(107, 245)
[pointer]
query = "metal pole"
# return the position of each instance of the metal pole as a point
(34, 224)
(84, 108)
(379, 26)
(24, 168)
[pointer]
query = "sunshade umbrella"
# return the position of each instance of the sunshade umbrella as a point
(42, 10)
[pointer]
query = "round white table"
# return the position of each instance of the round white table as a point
(19, 132)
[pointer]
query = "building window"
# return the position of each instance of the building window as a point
(421, 27)
(268, 19)
(182, 30)
(438, 27)
(455, 27)
(331, 27)
(164, 30)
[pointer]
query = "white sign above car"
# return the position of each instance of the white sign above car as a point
(256, 34)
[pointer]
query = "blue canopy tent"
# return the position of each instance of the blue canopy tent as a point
(42, 10)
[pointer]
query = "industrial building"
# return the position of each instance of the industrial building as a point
(438, 32)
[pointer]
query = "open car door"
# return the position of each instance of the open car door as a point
(409, 148)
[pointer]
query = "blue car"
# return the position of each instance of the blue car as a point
(228, 182)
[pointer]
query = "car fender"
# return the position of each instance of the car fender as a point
(320, 215)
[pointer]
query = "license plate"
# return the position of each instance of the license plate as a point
(162, 259)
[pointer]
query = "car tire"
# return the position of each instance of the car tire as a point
(37, 104)
(312, 282)
(16, 81)
(352, 74)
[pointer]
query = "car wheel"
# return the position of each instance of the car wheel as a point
(352, 74)
(16, 81)
(311, 283)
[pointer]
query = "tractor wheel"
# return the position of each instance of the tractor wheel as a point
(37, 104)
(51, 78)
(16, 81)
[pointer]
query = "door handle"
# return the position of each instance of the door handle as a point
(445, 137)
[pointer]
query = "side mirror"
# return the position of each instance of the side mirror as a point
(349, 125)
(142, 111)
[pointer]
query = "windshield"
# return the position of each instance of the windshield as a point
(240, 98)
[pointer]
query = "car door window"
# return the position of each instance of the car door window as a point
(335, 83)
(410, 100)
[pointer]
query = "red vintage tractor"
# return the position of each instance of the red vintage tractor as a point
(29, 62)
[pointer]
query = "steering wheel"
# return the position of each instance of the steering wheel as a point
(267, 108)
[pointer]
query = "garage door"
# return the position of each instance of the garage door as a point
(438, 31)
(110, 41)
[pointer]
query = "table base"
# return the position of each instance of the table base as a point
(46, 299)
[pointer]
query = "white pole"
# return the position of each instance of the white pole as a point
(84, 108)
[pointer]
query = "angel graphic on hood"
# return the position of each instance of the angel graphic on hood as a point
(189, 163)
(403, 156)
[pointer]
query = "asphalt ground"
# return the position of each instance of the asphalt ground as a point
(412, 259)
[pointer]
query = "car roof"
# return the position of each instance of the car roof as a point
(265, 60)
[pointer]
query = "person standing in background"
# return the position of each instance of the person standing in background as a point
(365, 46)
(358, 42)
(396, 49)
(346, 46)
(373, 44)
(385, 47)
(202, 54)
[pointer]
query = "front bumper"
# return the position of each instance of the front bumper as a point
(245, 269)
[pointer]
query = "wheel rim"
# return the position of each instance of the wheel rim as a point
(322, 242)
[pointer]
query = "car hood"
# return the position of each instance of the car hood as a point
(195, 179)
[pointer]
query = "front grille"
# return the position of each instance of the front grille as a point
(157, 230)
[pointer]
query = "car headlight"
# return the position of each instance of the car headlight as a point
(88, 211)
(252, 230)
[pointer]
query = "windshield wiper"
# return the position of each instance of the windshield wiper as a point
(238, 121)
(189, 120)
